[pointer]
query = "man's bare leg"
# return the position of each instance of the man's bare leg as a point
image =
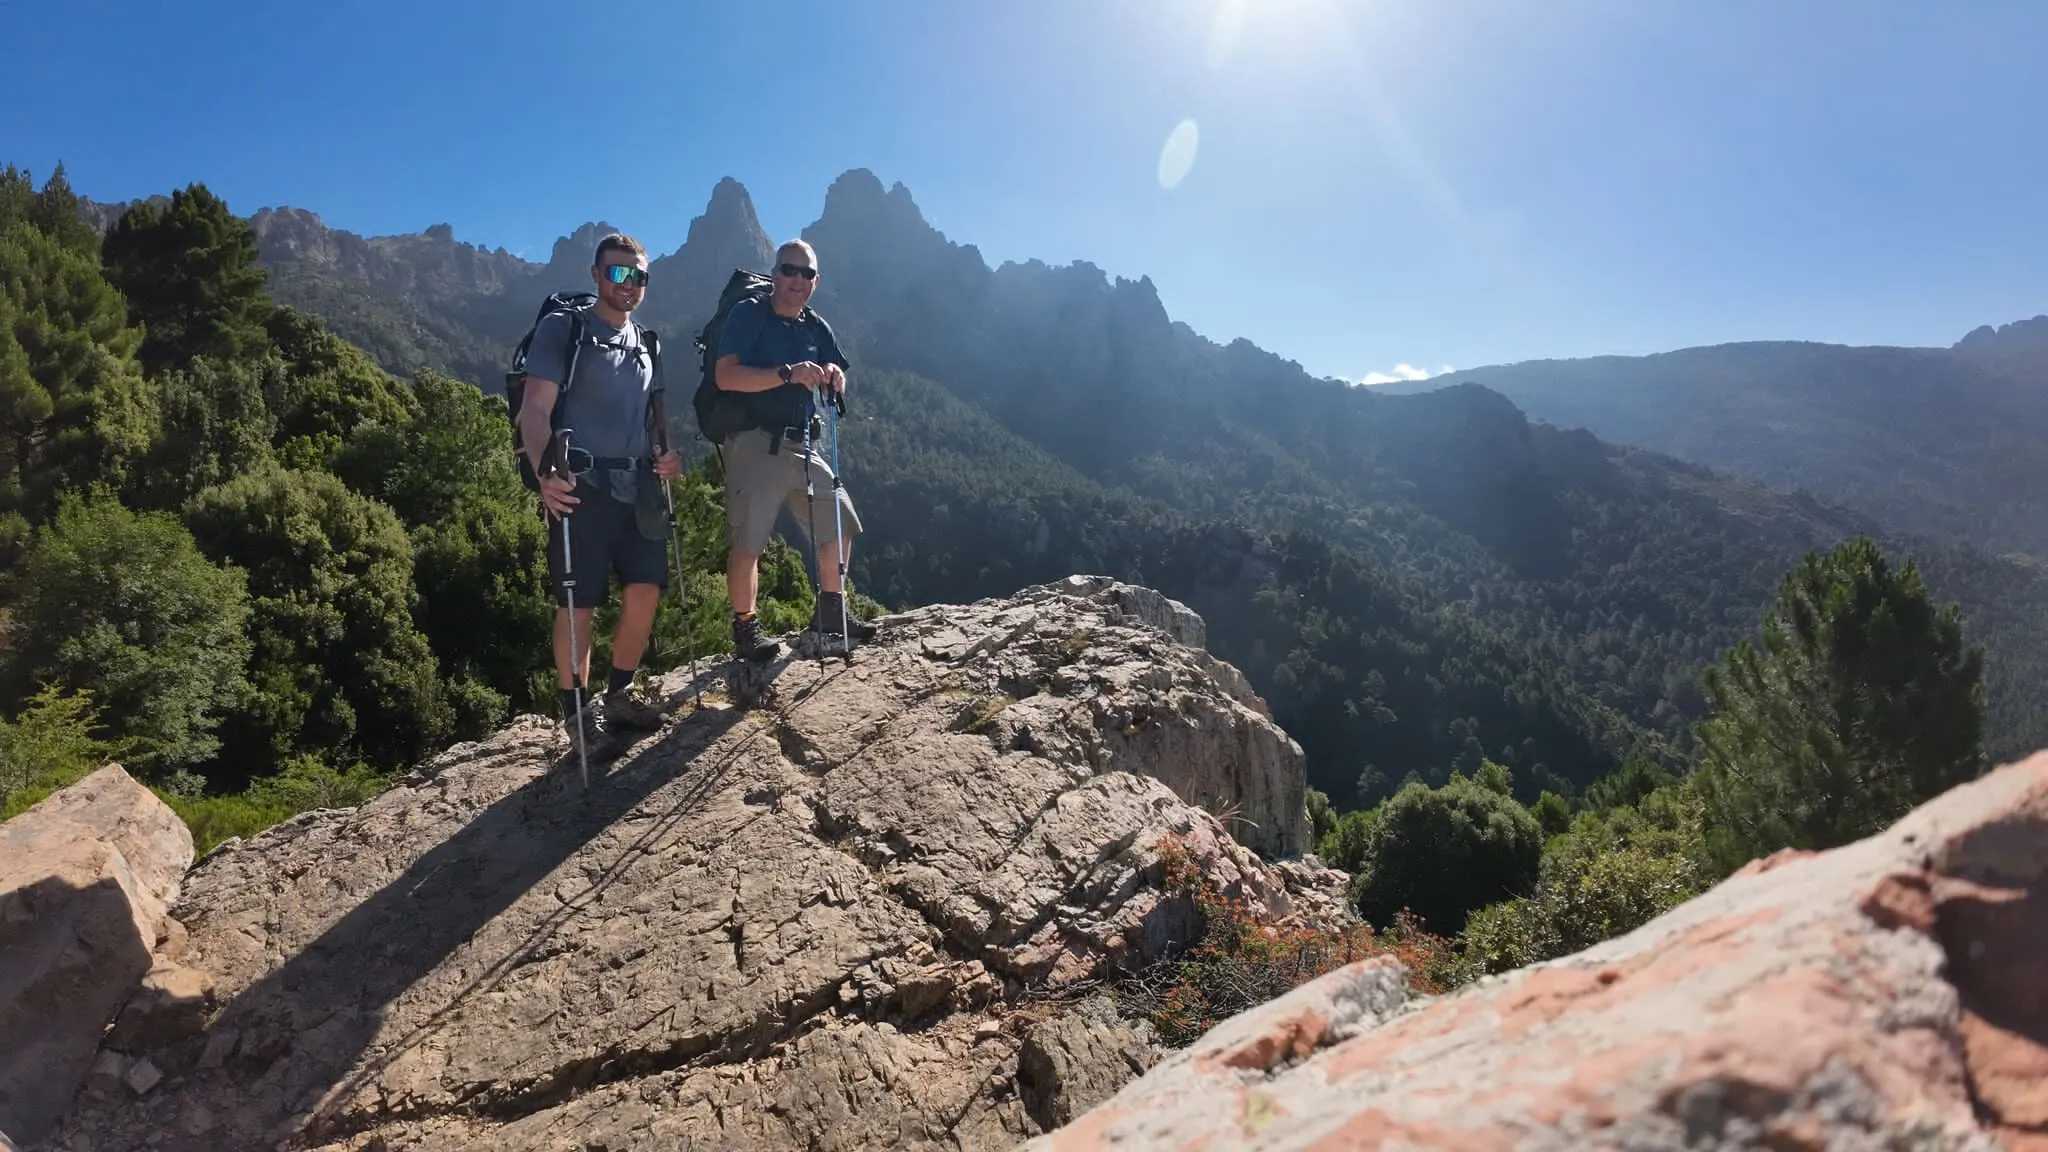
(742, 587)
(637, 604)
(564, 662)
(742, 581)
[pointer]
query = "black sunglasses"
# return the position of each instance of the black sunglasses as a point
(797, 270)
(625, 274)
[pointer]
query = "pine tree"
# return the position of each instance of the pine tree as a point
(74, 407)
(188, 268)
(57, 212)
(1861, 702)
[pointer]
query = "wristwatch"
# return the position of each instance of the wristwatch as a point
(784, 372)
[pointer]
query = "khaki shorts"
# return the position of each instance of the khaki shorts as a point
(758, 485)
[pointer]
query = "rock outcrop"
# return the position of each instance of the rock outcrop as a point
(86, 877)
(1889, 994)
(867, 909)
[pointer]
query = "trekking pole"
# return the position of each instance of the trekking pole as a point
(659, 413)
(832, 407)
(811, 513)
(555, 462)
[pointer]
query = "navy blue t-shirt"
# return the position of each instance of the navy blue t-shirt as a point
(764, 338)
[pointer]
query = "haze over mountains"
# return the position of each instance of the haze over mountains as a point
(1414, 581)
(1944, 442)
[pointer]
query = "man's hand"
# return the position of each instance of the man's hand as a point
(835, 378)
(808, 374)
(554, 495)
(668, 465)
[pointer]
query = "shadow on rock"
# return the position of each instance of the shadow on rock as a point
(298, 1042)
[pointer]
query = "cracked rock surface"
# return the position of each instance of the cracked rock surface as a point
(1888, 995)
(836, 918)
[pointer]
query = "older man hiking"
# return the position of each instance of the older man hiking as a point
(776, 357)
(607, 503)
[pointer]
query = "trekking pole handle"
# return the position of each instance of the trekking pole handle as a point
(554, 459)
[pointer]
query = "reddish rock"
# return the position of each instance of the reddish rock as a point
(1888, 994)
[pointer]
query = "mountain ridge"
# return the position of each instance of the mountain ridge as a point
(1939, 441)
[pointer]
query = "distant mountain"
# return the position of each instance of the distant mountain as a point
(1945, 442)
(1414, 581)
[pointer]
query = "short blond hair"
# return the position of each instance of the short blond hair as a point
(802, 246)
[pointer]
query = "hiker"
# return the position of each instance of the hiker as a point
(613, 495)
(777, 364)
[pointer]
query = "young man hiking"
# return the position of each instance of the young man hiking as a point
(602, 510)
(778, 362)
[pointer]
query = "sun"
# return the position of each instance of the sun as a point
(1233, 18)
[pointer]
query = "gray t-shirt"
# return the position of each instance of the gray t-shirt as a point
(605, 407)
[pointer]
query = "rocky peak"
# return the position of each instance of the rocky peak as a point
(297, 234)
(1137, 313)
(856, 909)
(430, 265)
(2020, 345)
(2033, 333)
(881, 240)
(725, 236)
(568, 267)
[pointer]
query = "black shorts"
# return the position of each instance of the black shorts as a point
(605, 540)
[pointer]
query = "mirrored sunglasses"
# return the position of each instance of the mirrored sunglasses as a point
(625, 274)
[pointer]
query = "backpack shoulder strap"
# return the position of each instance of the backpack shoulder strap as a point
(575, 348)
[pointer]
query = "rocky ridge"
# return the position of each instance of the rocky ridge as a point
(862, 911)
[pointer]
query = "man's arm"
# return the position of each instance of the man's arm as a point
(536, 418)
(547, 352)
(743, 330)
(732, 376)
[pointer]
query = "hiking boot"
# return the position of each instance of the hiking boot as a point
(827, 621)
(595, 737)
(747, 641)
(630, 708)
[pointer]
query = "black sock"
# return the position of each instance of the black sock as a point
(569, 704)
(621, 678)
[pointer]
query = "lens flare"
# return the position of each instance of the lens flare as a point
(1178, 156)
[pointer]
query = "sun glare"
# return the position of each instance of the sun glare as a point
(1225, 30)
(1288, 18)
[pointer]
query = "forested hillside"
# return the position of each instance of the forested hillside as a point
(1547, 686)
(1939, 442)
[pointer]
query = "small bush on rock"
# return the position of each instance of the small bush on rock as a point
(1242, 960)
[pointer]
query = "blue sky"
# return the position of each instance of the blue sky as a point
(1365, 183)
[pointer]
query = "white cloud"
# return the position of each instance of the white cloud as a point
(1401, 372)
